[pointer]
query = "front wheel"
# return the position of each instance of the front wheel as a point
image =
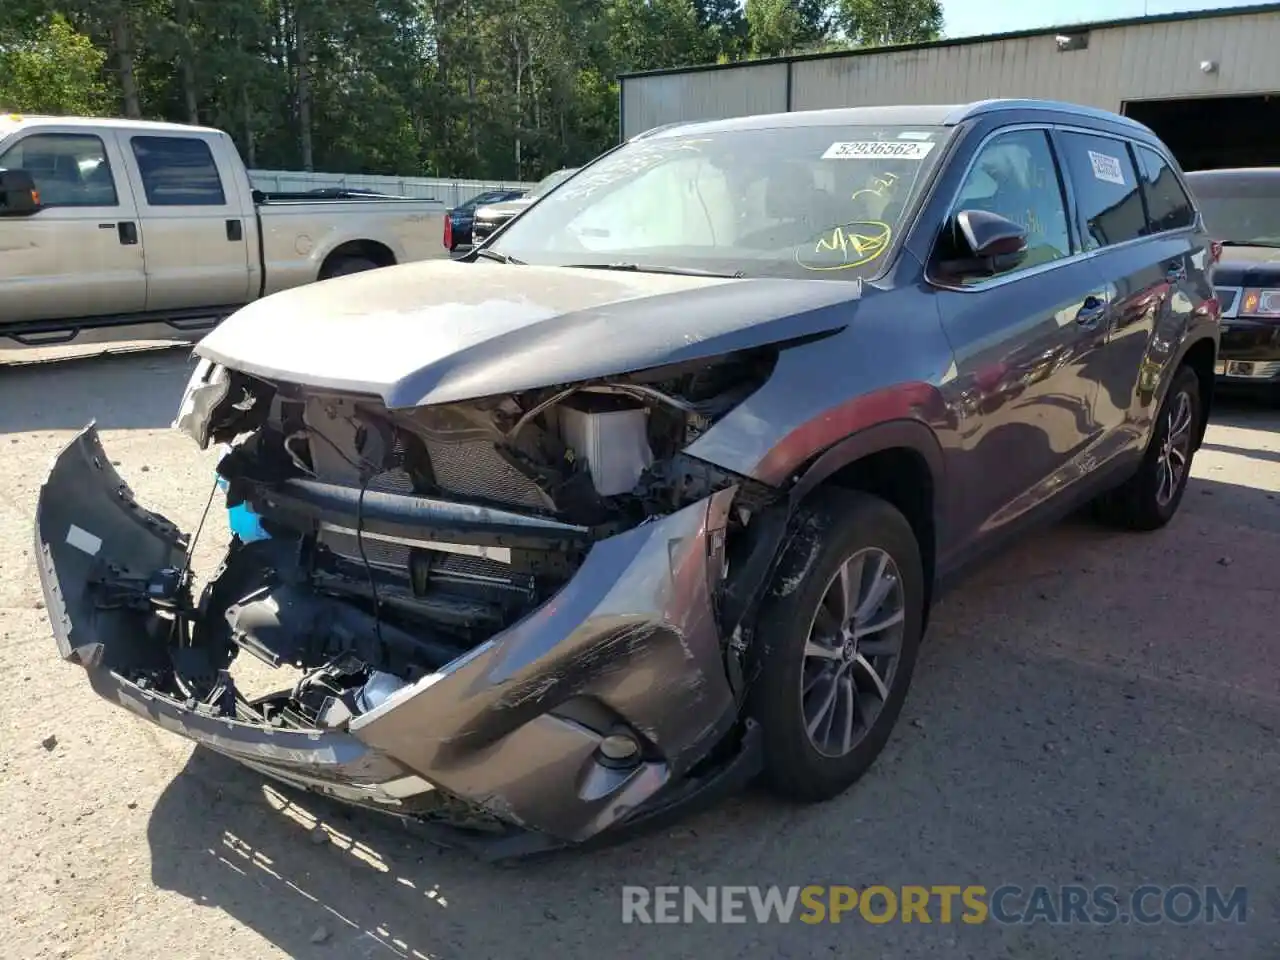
(1149, 499)
(837, 641)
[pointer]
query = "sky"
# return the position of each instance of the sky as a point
(965, 18)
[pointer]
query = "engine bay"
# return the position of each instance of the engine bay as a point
(399, 540)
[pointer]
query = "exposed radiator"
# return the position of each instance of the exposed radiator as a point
(463, 460)
(393, 556)
(473, 468)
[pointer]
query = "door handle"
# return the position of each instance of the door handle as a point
(1091, 311)
(235, 231)
(128, 232)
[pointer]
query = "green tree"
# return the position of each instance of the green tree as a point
(878, 23)
(53, 69)
(774, 27)
(725, 25)
(470, 88)
(650, 34)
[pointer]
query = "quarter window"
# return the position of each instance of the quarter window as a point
(69, 169)
(178, 172)
(1106, 189)
(1168, 206)
(1015, 176)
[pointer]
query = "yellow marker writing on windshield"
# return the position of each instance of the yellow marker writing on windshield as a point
(856, 244)
(878, 187)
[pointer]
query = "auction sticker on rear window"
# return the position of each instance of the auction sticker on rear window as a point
(1107, 168)
(879, 150)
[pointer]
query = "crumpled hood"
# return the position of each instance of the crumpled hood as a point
(442, 331)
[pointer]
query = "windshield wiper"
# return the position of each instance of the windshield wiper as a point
(500, 257)
(655, 268)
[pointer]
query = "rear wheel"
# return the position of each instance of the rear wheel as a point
(1149, 499)
(347, 265)
(837, 641)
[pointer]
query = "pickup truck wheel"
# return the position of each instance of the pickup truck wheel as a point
(345, 265)
(1149, 499)
(837, 640)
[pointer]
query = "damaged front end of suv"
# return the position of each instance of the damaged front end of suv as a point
(518, 618)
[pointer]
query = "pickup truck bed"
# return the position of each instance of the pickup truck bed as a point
(143, 228)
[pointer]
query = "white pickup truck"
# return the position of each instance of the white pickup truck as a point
(115, 228)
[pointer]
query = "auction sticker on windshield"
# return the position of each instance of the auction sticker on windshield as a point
(878, 150)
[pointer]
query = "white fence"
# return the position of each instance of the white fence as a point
(449, 192)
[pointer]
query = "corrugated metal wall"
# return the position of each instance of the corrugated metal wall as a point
(1156, 60)
(649, 102)
(448, 192)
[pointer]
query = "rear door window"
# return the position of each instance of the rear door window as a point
(69, 169)
(178, 172)
(1106, 189)
(1168, 206)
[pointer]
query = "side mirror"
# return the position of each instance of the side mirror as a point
(18, 194)
(986, 244)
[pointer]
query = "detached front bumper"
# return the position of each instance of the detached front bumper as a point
(506, 731)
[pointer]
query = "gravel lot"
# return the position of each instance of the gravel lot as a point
(1091, 708)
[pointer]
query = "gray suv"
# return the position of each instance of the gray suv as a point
(652, 493)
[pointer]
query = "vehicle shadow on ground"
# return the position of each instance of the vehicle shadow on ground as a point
(316, 878)
(1243, 408)
(134, 391)
(1272, 456)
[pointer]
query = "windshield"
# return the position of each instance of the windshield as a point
(816, 202)
(546, 183)
(1238, 209)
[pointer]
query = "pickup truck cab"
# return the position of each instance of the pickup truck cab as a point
(133, 224)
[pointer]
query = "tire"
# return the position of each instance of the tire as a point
(347, 265)
(834, 527)
(1145, 501)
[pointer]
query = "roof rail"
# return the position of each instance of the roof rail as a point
(985, 107)
(658, 129)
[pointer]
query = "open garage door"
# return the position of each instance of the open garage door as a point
(1208, 133)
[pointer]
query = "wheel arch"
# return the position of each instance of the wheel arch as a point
(1200, 355)
(372, 250)
(899, 461)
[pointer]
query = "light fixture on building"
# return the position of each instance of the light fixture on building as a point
(1071, 41)
(1208, 66)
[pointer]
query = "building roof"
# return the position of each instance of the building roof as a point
(1071, 28)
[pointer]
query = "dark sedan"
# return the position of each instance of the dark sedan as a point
(458, 221)
(653, 492)
(490, 217)
(1242, 210)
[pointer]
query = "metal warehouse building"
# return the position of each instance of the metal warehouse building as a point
(1208, 83)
